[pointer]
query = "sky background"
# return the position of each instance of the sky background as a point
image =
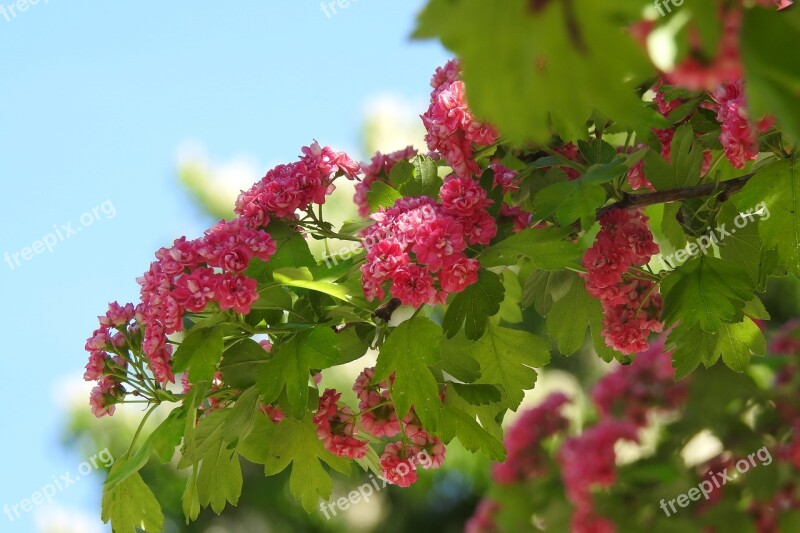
(96, 100)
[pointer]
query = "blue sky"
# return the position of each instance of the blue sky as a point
(95, 99)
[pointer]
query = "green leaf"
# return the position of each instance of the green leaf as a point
(670, 226)
(190, 500)
(686, 154)
(542, 288)
(291, 363)
(240, 422)
(508, 358)
(241, 363)
(738, 341)
(604, 173)
(569, 317)
(199, 353)
(458, 420)
(477, 394)
(220, 479)
(408, 352)
(163, 441)
(424, 180)
(772, 70)
(474, 305)
(707, 292)
(546, 248)
(692, 346)
(131, 504)
(744, 246)
(597, 151)
(457, 361)
(775, 189)
(296, 443)
(401, 173)
(510, 311)
(569, 201)
(303, 279)
(549, 56)
(218, 472)
(382, 195)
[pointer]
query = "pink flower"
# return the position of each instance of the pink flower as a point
(104, 396)
(413, 285)
(336, 427)
(589, 461)
(397, 467)
(96, 366)
(631, 392)
(117, 316)
(458, 274)
(524, 441)
(384, 259)
(739, 137)
(194, 291)
(481, 227)
(437, 241)
(236, 292)
(463, 196)
(451, 127)
(483, 520)
(631, 308)
(99, 340)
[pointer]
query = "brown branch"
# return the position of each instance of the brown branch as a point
(383, 312)
(724, 189)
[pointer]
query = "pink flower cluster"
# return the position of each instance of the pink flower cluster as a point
(631, 306)
(378, 418)
(287, 188)
(193, 273)
(378, 169)
(336, 427)
(452, 129)
(420, 241)
(588, 461)
(631, 392)
(696, 72)
(739, 136)
(524, 441)
(483, 521)
(109, 356)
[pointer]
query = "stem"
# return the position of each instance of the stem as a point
(723, 189)
(139, 430)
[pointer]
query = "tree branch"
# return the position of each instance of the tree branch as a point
(383, 312)
(724, 189)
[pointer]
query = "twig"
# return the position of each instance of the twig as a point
(725, 190)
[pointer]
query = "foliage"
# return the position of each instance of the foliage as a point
(532, 195)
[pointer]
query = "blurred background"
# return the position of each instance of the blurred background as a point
(124, 125)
